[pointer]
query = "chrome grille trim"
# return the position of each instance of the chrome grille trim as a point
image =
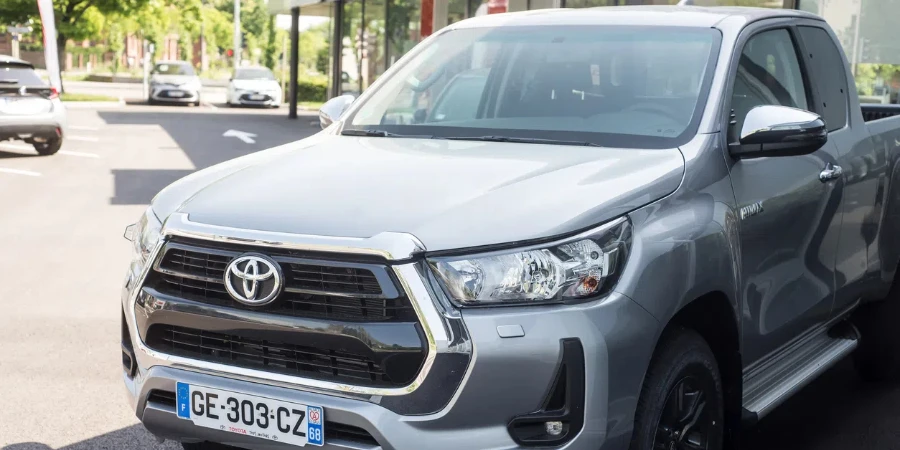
(392, 246)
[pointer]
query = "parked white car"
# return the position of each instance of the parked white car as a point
(254, 86)
(30, 109)
(174, 82)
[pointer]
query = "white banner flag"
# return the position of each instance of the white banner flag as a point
(51, 58)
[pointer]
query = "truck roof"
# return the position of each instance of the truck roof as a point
(653, 15)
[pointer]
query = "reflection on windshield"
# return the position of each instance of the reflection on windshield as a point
(173, 69)
(581, 83)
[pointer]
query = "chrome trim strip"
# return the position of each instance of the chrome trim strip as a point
(389, 245)
(410, 280)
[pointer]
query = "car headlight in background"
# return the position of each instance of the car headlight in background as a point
(144, 235)
(584, 267)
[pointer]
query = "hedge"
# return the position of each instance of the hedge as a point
(312, 89)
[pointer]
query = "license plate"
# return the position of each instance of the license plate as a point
(257, 97)
(250, 415)
(176, 94)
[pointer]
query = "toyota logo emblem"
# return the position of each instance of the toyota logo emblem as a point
(253, 279)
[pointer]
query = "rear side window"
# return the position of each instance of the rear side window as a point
(768, 74)
(828, 67)
(18, 75)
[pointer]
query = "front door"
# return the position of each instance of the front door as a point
(789, 217)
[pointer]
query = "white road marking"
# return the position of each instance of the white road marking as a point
(210, 105)
(17, 146)
(81, 154)
(83, 138)
(242, 135)
(80, 128)
(19, 172)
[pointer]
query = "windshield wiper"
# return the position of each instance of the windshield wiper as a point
(9, 81)
(382, 133)
(522, 140)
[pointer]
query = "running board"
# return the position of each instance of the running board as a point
(771, 383)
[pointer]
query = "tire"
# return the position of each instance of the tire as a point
(877, 357)
(48, 148)
(682, 360)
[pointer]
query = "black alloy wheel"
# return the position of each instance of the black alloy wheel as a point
(685, 423)
(681, 406)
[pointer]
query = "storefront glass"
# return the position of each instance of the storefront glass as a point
(403, 28)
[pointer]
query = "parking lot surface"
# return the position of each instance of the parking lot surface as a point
(63, 258)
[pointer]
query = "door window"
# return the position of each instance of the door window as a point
(768, 74)
(826, 63)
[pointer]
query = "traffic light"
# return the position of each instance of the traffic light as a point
(229, 53)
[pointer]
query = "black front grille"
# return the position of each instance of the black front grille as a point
(247, 98)
(311, 290)
(333, 430)
(277, 357)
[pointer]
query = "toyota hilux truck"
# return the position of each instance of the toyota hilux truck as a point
(616, 228)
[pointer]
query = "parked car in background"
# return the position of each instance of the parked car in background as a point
(617, 228)
(174, 82)
(254, 85)
(30, 109)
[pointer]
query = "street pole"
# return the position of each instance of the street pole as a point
(283, 62)
(237, 33)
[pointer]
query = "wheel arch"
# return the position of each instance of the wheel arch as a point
(712, 315)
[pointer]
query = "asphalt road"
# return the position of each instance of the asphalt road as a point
(62, 259)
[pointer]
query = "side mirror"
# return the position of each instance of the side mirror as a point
(333, 109)
(770, 130)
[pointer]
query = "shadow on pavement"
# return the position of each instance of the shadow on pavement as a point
(836, 412)
(133, 437)
(7, 154)
(199, 135)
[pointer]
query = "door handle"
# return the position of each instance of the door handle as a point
(830, 172)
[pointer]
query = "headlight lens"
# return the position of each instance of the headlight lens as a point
(144, 235)
(582, 268)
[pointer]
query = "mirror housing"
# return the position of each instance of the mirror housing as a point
(333, 109)
(771, 130)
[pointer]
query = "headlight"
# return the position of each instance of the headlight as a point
(144, 235)
(586, 266)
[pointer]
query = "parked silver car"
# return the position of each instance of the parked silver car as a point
(30, 109)
(174, 82)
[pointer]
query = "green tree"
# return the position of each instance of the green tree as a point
(75, 19)
(271, 44)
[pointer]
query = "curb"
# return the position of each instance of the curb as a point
(91, 105)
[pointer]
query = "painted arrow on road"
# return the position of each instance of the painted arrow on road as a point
(242, 135)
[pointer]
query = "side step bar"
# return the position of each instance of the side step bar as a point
(769, 384)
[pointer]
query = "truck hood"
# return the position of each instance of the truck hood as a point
(449, 194)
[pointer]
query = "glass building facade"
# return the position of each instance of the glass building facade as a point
(376, 33)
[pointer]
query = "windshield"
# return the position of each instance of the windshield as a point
(254, 74)
(173, 69)
(607, 85)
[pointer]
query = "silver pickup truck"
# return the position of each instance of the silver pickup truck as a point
(620, 228)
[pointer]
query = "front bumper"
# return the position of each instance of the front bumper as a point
(174, 94)
(506, 377)
(247, 98)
